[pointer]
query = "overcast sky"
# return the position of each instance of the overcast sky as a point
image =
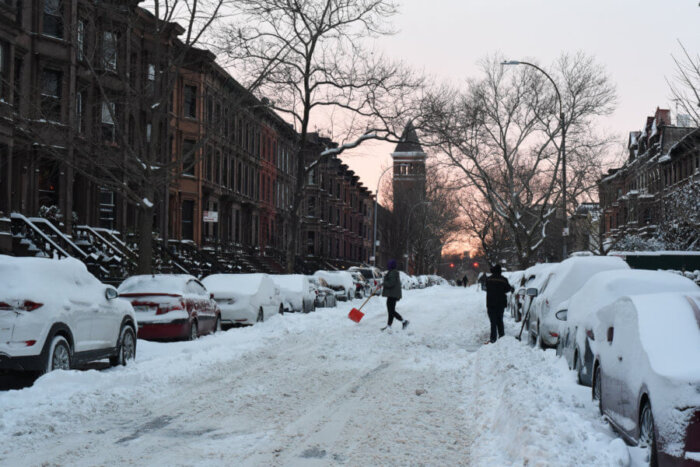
(632, 39)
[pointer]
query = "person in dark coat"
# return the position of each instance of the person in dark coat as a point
(497, 287)
(392, 292)
(465, 280)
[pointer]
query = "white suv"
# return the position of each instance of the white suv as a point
(54, 314)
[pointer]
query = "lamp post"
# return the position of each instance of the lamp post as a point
(376, 201)
(562, 148)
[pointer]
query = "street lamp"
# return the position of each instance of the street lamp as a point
(376, 201)
(562, 148)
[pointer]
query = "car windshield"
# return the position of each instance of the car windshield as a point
(367, 273)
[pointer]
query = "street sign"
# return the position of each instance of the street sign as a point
(565, 232)
(211, 216)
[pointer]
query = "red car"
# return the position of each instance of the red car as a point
(171, 306)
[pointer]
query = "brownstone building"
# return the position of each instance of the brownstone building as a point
(89, 85)
(663, 162)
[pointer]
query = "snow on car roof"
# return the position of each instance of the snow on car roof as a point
(336, 278)
(156, 283)
(573, 273)
(296, 283)
(245, 284)
(607, 286)
(47, 280)
(670, 333)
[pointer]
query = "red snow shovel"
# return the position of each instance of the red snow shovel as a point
(355, 314)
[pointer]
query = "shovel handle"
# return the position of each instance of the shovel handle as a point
(370, 296)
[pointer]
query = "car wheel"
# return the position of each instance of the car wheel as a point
(59, 357)
(578, 366)
(217, 325)
(261, 315)
(598, 388)
(194, 331)
(647, 435)
(126, 347)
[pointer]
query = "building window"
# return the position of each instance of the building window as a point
(80, 40)
(190, 101)
(106, 209)
(150, 79)
(108, 112)
(109, 50)
(51, 94)
(79, 111)
(188, 157)
(188, 220)
(53, 19)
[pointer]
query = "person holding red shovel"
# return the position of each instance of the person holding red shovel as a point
(392, 292)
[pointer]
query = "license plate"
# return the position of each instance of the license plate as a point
(143, 309)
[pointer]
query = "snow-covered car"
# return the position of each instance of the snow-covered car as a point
(534, 277)
(577, 329)
(171, 306)
(340, 281)
(517, 280)
(54, 314)
(406, 281)
(560, 283)
(325, 296)
(244, 298)
(362, 287)
(422, 281)
(372, 274)
(646, 373)
(296, 291)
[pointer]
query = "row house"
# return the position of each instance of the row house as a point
(662, 159)
(88, 85)
(337, 212)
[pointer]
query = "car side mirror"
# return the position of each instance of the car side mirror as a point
(532, 292)
(111, 293)
(561, 315)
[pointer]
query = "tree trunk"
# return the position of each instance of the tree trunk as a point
(145, 240)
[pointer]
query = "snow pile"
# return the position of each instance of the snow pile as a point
(526, 409)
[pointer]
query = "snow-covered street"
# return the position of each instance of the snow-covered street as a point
(318, 389)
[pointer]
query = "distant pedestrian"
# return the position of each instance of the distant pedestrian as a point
(497, 287)
(481, 280)
(465, 280)
(392, 292)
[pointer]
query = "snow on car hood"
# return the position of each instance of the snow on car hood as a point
(156, 283)
(47, 281)
(236, 284)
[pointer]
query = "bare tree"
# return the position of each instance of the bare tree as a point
(502, 135)
(130, 59)
(685, 87)
(311, 61)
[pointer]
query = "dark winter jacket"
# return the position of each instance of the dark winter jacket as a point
(497, 287)
(392, 284)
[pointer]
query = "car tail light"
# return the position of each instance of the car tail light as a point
(162, 309)
(553, 334)
(589, 333)
(29, 305)
(29, 343)
(26, 305)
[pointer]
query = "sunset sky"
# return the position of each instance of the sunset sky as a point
(632, 39)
